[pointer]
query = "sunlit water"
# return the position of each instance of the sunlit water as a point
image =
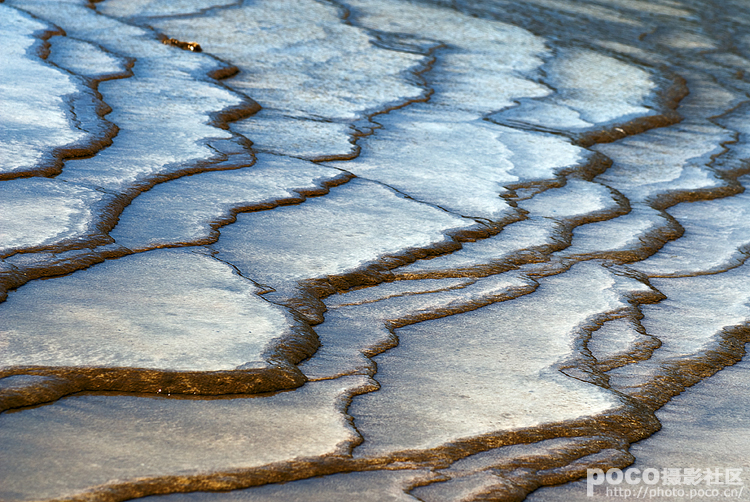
(372, 250)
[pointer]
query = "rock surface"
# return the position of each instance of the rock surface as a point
(369, 250)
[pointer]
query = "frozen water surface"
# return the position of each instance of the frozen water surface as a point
(84, 58)
(106, 438)
(372, 486)
(312, 74)
(584, 98)
(67, 212)
(353, 331)
(692, 434)
(420, 250)
(145, 8)
(715, 239)
(164, 312)
(34, 99)
(166, 80)
(468, 358)
(363, 222)
(188, 210)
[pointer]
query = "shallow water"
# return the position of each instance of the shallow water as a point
(367, 250)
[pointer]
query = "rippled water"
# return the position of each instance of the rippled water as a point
(364, 250)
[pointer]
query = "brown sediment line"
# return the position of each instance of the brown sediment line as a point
(219, 119)
(61, 382)
(95, 140)
(418, 75)
(282, 375)
(582, 365)
(427, 92)
(639, 351)
(308, 302)
(289, 350)
(674, 379)
(81, 255)
(538, 254)
(613, 430)
(636, 423)
(94, 238)
(527, 479)
(224, 72)
(672, 89)
(531, 470)
(66, 262)
(726, 349)
(230, 216)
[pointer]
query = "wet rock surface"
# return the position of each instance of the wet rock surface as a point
(369, 250)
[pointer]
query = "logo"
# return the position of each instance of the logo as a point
(685, 482)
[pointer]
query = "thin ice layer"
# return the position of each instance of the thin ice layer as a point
(312, 73)
(487, 255)
(591, 84)
(165, 311)
(691, 323)
(188, 210)
(37, 212)
(696, 310)
(302, 137)
(664, 160)
(656, 168)
(368, 486)
(142, 8)
(712, 439)
(34, 111)
(148, 146)
(589, 93)
(457, 161)
(695, 434)
(523, 240)
(460, 376)
(482, 68)
(716, 238)
(84, 58)
(353, 332)
(85, 441)
(630, 234)
(618, 342)
(578, 199)
(500, 471)
(353, 226)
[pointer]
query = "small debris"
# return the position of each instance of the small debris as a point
(186, 46)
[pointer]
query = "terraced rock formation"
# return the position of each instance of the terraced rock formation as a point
(366, 249)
